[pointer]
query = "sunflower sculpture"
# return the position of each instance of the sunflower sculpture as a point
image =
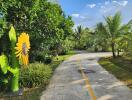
(22, 48)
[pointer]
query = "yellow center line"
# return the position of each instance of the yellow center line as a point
(90, 90)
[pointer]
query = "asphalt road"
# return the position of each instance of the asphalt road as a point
(69, 81)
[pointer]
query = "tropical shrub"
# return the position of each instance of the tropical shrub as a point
(66, 46)
(4, 78)
(48, 59)
(36, 74)
(41, 56)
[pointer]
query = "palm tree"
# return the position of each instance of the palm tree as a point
(113, 29)
(100, 37)
(78, 33)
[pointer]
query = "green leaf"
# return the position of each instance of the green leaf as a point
(12, 35)
(3, 63)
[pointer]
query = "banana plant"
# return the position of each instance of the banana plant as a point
(14, 68)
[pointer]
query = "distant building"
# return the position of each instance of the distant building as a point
(54, 1)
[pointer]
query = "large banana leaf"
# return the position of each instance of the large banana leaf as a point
(12, 35)
(4, 63)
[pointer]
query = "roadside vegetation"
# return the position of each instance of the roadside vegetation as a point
(110, 35)
(34, 79)
(52, 38)
(120, 67)
(50, 33)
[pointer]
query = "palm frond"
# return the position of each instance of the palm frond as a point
(116, 22)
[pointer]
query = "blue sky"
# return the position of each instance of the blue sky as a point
(88, 12)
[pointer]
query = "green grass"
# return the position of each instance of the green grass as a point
(35, 93)
(121, 67)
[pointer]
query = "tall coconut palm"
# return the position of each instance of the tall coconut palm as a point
(100, 36)
(113, 30)
(78, 33)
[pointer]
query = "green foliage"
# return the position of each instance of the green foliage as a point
(47, 26)
(35, 74)
(77, 36)
(109, 36)
(12, 35)
(4, 79)
(63, 47)
(4, 41)
(41, 56)
(78, 33)
(115, 31)
(101, 37)
(4, 75)
(83, 38)
(14, 63)
(67, 45)
(45, 58)
(112, 34)
(45, 22)
(2, 26)
(48, 59)
(34, 93)
(4, 63)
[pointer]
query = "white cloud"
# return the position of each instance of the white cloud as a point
(114, 5)
(124, 3)
(82, 17)
(107, 2)
(75, 15)
(114, 1)
(107, 10)
(102, 7)
(91, 5)
(121, 3)
(78, 16)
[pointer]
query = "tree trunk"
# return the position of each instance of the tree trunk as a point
(113, 49)
(96, 49)
(118, 52)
